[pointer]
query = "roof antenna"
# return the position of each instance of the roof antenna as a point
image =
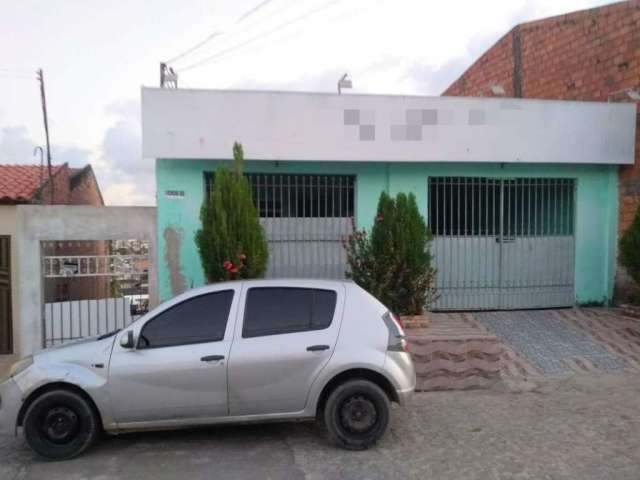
(168, 77)
(344, 82)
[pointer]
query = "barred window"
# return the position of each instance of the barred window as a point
(488, 206)
(288, 195)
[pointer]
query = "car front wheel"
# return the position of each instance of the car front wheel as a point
(357, 414)
(60, 425)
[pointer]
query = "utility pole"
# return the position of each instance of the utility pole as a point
(168, 77)
(46, 132)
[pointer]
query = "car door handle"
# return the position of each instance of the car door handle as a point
(212, 358)
(317, 348)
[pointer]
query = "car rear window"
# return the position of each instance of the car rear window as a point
(278, 310)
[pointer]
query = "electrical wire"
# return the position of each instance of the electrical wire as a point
(228, 50)
(215, 34)
(17, 76)
(253, 10)
(194, 48)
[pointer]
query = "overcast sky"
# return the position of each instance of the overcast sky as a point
(96, 54)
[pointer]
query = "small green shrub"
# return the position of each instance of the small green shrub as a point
(394, 262)
(231, 241)
(630, 249)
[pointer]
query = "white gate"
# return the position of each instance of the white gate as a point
(503, 243)
(92, 287)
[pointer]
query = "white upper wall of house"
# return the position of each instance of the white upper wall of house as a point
(201, 124)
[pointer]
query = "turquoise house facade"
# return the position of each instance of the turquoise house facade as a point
(523, 216)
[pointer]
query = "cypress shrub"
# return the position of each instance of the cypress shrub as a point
(231, 241)
(394, 262)
(630, 250)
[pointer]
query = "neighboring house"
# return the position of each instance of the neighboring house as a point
(521, 195)
(589, 55)
(30, 184)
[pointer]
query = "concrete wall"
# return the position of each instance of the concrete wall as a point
(8, 226)
(202, 124)
(596, 223)
(38, 223)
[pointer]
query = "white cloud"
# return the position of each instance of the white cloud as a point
(388, 46)
(128, 178)
(127, 193)
(17, 147)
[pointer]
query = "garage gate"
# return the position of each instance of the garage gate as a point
(503, 243)
(306, 218)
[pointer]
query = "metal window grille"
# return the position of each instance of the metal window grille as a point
(293, 195)
(306, 218)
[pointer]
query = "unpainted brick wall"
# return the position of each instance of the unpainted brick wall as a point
(587, 55)
(86, 191)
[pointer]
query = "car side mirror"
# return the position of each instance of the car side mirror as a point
(127, 341)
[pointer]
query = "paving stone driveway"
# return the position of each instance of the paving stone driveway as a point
(559, 342)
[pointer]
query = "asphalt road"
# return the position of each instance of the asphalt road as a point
(576, 428)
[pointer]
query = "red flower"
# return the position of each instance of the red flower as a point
(227, 265)
(234, 270)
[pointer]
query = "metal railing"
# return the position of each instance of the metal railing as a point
(91, 294)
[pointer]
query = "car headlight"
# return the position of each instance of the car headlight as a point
(20, 366)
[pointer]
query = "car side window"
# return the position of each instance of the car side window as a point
(278, 310)
(196, 320)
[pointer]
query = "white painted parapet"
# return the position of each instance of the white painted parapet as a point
(203, 124)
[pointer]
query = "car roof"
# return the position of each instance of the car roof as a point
(266, 282)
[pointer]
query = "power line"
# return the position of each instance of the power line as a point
(16, 70)
(258, 37)
(194, 48)
(253, 10)
(215, 34)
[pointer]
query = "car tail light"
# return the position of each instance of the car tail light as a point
(397, 341)
(397, 319)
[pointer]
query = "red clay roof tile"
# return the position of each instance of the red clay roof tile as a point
(19, 183)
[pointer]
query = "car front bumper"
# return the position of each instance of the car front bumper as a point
(10, 403)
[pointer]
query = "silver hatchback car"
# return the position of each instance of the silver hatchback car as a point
(247, 351)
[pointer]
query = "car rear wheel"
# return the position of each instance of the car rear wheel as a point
(60, 425)
(356, 414)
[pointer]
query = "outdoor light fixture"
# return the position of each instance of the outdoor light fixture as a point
(497, 90)
(632, 93)
(344, 82)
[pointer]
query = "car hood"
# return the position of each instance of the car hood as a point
(86, 352)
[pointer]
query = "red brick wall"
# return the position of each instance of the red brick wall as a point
(85, 190)
(61, 191)
(494, 67)
(584, 55)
